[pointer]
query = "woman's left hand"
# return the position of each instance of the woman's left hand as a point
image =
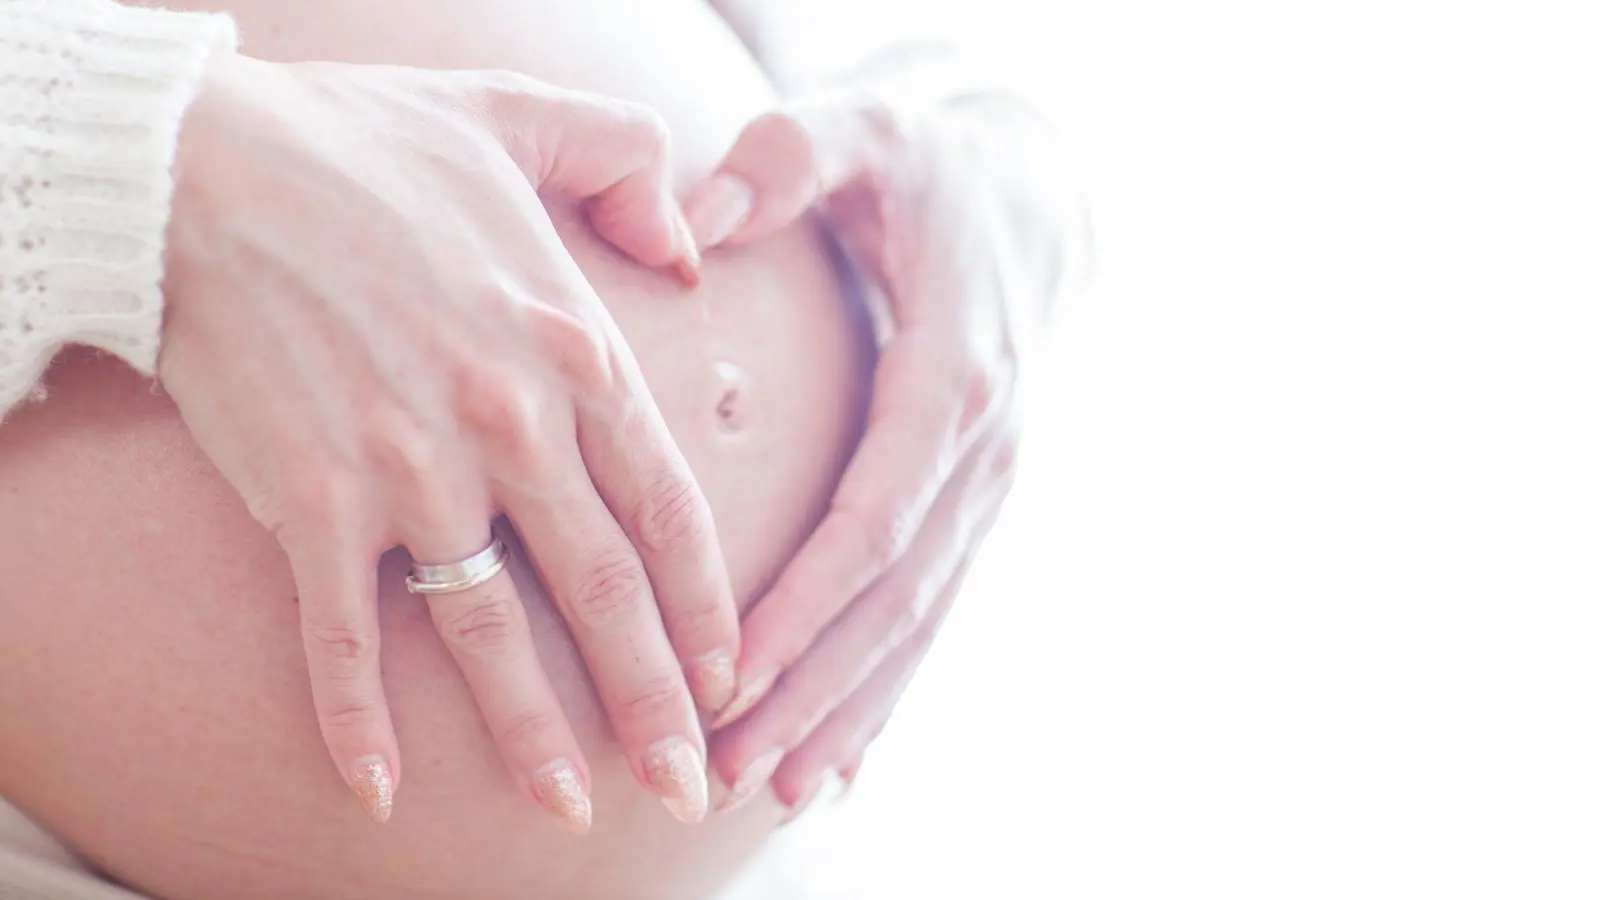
(967, 263)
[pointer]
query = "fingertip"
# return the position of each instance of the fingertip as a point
(748, 782)
(687, 268)
(750, 692)
(850, 770)
(372, 780)
(645, 227)
(685, 261)
(799, 797)
(790, 778)
(675, 770)
(559, 788)
(713, 680)
(719, 207)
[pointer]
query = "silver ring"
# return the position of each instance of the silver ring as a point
(459, 576)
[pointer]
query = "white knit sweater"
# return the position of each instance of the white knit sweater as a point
(91, 96)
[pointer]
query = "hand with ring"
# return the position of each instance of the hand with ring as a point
(376, 335)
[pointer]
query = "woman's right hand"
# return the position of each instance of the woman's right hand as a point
(375, 333)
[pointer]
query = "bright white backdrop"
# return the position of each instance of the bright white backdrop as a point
(1299, 593)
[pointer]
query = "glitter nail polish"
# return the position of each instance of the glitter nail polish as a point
(713, 680)
(677, 773)
(558, 789)
(374, 787)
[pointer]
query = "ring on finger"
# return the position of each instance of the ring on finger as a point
(450, 578)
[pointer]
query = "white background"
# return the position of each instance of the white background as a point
(1297, 596)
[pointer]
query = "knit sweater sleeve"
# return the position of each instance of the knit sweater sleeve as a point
(91, 96)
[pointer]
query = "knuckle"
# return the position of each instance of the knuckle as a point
(655, 697)
(480, 627)
(495, 407)
(527, 728)
(506, 81)
(612, 588)
(506, 93)
(700, 616)
(350, 716)
(271, 508)
(899, 601)
(319, 494)
(485, 395)
(339, 652)
(648, 129)
(671, 516)
(585, 354)
(535, 319)
(883, 537)
(403, 450)
(340, 641)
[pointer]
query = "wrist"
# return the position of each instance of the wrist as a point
(207, 163)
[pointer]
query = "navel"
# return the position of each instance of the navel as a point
(732, 391)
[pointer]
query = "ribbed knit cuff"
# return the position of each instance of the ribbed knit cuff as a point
(92, 94)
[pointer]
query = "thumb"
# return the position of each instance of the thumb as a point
(609, 153)
(785, 162)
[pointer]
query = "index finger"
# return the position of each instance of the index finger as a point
(911, 447)
(784, 162)
(611, 153)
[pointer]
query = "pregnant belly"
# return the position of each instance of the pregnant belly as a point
(154, 706)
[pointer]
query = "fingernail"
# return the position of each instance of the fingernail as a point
(750, 693)
(722, 204)
(688, 265)
(806, 797)
(754, 777)
(677, 773)
(373, 786)
(849, 773)
(558, 789)
(712, 679)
